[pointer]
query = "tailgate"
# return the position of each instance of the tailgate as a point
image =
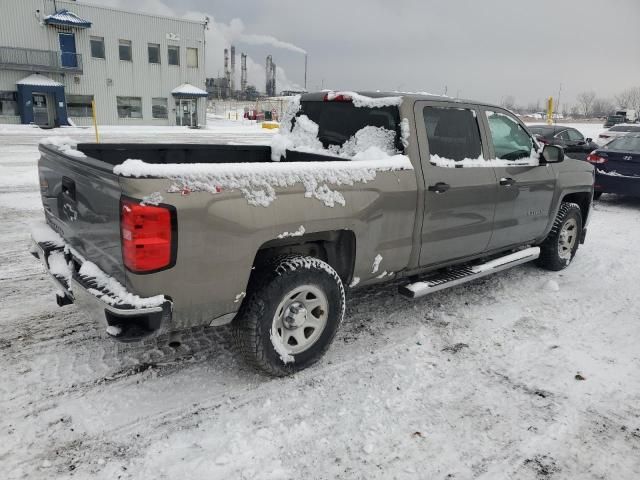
(81, 199)
(622, 163)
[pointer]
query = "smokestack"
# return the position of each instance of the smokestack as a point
(227, 73)
(273, 79)
(243, 72)
(267, 71)
(233, 70)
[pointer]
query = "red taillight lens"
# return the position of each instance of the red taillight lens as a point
(595, 158)
(542, 140)
(147, 235)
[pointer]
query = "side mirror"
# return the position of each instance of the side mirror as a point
(588, 139)
(552, 154)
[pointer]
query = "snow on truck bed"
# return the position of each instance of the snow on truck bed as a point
(369, 151)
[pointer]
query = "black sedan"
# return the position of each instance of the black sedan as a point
(617, 166)
(573, 142)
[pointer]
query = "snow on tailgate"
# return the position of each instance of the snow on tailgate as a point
(258, 181)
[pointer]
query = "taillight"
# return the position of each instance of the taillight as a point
(336, 97)
(148, 234)
(542, 140)
(593, 157)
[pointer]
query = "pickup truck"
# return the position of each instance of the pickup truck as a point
(356, 189)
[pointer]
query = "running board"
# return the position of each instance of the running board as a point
(466, 273)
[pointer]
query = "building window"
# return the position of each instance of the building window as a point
(79, 105)
(8, 103)
(192, 57)
(124, 47)
(154, 52)
(97, 47)
(129, 107)
(173, 54)
(159, 108)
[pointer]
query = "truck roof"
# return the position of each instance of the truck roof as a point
(319, 96)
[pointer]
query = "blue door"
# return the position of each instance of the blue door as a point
(68, 50)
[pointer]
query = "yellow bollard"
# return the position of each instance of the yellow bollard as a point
(549, 110)
(95, 120)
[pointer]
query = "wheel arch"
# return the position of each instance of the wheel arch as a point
(336, 247)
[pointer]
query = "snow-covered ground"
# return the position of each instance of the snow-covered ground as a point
(524, 375)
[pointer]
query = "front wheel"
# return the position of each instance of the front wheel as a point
(561, 245)
(291, 315)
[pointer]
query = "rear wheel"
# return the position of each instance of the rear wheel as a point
(561, 245)
(291, 315)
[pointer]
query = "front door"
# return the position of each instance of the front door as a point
(69, 58)
(40, 109)
(186, 112)
(461, 189)
(525, 192)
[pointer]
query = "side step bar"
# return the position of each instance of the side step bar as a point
(466, 273)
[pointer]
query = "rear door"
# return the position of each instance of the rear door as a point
(459, 200)
(525, 192)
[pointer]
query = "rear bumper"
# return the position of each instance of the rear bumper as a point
(126, 322)
(620, 184)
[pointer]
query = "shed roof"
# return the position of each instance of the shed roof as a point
(38, 80)
(67, 18)
(188, 90)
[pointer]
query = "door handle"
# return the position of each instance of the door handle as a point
(507, 182)
(439, 187)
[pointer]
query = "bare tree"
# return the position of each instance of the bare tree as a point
(509, 102)
(630, 98)
(602, 107)
(585, 100)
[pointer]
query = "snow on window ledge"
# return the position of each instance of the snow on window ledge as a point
(531, 161)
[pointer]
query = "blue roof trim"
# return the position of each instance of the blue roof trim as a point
(67, 19)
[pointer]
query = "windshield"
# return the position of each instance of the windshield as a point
(615, 118)
(340, 121)
(628, 144)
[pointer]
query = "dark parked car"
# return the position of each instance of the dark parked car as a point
(617, 131)
(614, 120)
(618, 166)
(573, 142)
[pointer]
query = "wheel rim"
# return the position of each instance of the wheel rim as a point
(300, 318)
(567, 239)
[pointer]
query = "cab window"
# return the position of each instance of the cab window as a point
(564, 135)
(453, 133)
(510, 140)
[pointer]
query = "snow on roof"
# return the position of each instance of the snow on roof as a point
(188, 90)
(39, 80)
(65, 17)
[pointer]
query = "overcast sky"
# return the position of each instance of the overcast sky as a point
(479, 49)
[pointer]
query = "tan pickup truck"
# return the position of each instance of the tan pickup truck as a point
(356, 189)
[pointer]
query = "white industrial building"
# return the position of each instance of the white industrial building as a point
(58, 56)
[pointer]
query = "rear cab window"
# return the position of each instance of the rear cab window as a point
(339, 122)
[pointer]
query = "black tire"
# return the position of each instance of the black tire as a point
(552, 255)
(271, 286)
(597, 195)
